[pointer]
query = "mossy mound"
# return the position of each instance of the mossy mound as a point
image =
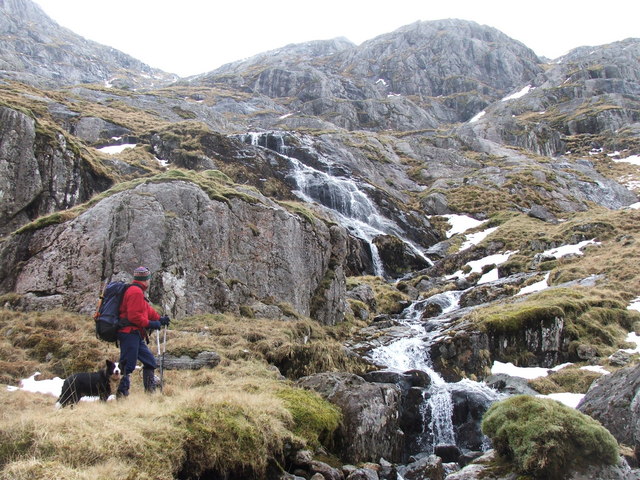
(545, 438)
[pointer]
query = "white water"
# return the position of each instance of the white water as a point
(412, 353)
(341, 195)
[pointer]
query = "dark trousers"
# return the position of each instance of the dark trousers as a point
(134, 348)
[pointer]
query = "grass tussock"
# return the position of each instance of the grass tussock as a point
(55, 343)
(388, 299)
(296, 347)
(546, 439)
(206, 422)
(568, 379)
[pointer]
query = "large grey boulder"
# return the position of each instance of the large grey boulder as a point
(370, 427)
(614, 401)
(206, 255)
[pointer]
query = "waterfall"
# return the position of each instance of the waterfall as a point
(341, 195)
(411, 352)
(441, 407)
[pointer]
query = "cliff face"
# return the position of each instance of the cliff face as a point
(213, 255)
(41, 172)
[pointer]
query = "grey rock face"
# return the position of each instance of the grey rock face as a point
(40, 174)
(370, 427)
(614, 401)
(207, 256)
(413, 78)
(589, 92)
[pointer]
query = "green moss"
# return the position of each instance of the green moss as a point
(516, 317)
(546, 439)
(315, 419)
(300, 210)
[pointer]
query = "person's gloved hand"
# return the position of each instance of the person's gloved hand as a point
(165, 320)
(154, 325)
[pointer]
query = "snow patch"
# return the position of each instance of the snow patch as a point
(473, 239)
(519, 94)
(536, 287)
(569, 399)
(48, 387)
(113, 149)
(570, 249)
(633, 159)
(461, 223)
(477, 117)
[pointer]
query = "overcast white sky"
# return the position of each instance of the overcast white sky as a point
(187, 37)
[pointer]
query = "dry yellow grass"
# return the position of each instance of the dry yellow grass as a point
(233, 419)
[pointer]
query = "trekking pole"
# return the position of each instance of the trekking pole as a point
(164, 350)
(158, 345)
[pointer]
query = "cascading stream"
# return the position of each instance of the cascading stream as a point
(341, 195)
(412, 352)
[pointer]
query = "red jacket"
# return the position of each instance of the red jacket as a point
(136, 309)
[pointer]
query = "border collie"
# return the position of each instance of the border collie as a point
(97, 384)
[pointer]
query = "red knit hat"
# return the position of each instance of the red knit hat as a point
(141, 273)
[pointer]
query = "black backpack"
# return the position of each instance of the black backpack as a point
(107, 318)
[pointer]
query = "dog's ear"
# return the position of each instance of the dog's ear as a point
(123, 364)
(110, 366)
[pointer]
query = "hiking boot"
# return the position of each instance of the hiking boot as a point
(149, 380)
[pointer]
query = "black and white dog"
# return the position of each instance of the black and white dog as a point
(97, 384)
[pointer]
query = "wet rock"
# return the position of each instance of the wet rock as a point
(363, 474)
(427, 467)
(370, 428)
(325, 471)
(448, 453)
(470, 402)
(509, 385)
(398, 258)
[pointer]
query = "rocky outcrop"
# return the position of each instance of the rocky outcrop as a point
(41, 172)
(454, 67)
(586, 99)
(614, 400)
(370, 427)
(185, 362)
(473, 351)
(207, 255)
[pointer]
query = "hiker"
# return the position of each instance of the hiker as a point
(133, 338)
